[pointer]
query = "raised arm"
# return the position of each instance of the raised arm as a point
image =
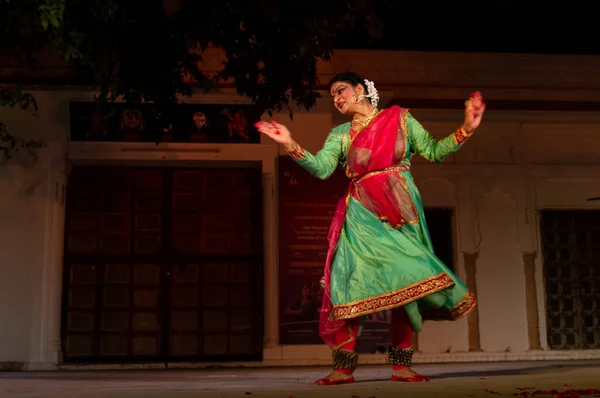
(322, 165)
(428, 146)
(437, 150)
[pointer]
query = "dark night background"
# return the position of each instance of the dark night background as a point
(488, 26)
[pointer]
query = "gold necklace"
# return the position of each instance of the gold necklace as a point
(365, 120)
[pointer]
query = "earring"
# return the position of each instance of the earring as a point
(359, 98)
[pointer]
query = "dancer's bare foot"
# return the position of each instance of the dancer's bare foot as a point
(407, 374)
(335, 377)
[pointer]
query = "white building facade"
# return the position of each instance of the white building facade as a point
(526, 232)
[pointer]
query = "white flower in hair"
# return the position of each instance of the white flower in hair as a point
(373, 95)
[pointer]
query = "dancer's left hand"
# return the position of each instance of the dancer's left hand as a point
(474, 110)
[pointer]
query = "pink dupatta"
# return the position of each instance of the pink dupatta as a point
(377, 184)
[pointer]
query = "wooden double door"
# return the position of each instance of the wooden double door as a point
(163, 264)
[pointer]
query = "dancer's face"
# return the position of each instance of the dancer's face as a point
(344, 96)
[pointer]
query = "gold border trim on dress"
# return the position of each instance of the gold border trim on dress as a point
(397, 167)
(395, 299)
(463, 308)
(404, 127)
(412, 202)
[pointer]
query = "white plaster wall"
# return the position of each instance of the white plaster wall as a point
(517, 163)
(23, 191)
(32, 219)
(441, 191)
(489, 182)
(500, 276)
(306, 129)
(21, 231)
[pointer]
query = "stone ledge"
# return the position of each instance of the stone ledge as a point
(406, 69)
(368, 359)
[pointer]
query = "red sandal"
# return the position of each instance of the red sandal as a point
(326, 381)
(343, 362)
(401, 358)
(413, 379)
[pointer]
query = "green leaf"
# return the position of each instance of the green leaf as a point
(135, 52)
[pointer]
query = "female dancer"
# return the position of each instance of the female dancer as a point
(380, 254)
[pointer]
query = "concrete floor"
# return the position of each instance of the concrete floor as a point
(526, 379)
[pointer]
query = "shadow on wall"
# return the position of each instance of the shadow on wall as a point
(21, 179)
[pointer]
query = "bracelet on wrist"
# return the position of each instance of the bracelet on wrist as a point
(295, 151)
(461, 135)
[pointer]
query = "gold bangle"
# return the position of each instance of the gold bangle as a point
(461, 135)
(295, 151)
(464, 132)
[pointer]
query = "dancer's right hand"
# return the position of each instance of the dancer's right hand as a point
(278, 132)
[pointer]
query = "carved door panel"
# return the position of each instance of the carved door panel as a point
(215, 308)
(162, 264)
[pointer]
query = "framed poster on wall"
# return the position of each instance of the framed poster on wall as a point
(306, 207)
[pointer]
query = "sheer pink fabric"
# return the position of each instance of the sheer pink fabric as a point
(378, 184)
